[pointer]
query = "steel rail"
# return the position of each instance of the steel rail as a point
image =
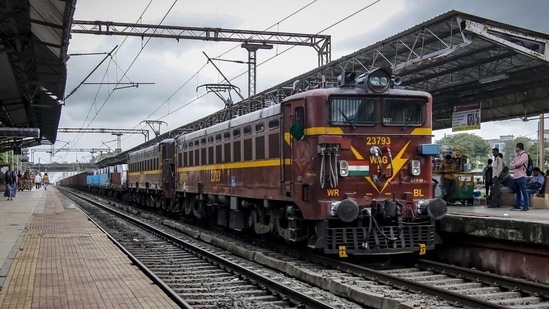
(392, 280)
(302, 299)
(537, 289)
(164, 287)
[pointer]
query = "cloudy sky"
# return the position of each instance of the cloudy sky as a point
(170, 71)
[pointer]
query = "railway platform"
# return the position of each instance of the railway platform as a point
(499, 223)
(51, 256)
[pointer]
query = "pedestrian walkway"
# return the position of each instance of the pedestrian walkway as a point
(51, 256)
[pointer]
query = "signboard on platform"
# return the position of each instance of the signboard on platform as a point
(466, 117)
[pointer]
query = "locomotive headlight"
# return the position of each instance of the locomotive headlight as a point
(383, 81)
(422, 206)
(343, 168)
(379, 80)
(346, 210)
(333, 208)
(435, 208)
(414, 166)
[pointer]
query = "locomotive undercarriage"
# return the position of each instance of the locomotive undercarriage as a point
(366, 235)
(362, 236)
(388, 239)
(245, 215)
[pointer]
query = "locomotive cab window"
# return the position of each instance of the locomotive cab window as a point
(273, 124)
(298, 128)
(352, 111)
(404, 112)
(247, 130)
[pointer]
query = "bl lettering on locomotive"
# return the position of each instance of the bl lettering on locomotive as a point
(342, 249)
(422, 249)
(418, 192)
(332, 192)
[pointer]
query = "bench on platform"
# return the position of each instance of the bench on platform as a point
(537, 201)
(541, 200)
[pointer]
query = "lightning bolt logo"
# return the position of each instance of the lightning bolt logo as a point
(398, 163)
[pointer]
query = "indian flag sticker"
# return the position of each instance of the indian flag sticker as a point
(359, 168)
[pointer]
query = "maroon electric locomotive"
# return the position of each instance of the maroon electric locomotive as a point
(346, 170)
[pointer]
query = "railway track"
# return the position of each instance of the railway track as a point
(196, 274)
(491, 288)
(427, 284)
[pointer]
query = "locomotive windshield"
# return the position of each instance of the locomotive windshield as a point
(403, 111)
(352, 111)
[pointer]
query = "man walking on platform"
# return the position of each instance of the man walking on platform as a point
(46, 181)
(38, 180)
(497, 168)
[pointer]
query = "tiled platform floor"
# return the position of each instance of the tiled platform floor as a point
(58, 259)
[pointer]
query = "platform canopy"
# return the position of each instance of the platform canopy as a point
(34, 37)
(459, 58)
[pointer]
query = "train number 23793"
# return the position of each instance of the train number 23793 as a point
(378, 140)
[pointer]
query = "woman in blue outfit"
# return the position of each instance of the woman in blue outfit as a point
(10, 178)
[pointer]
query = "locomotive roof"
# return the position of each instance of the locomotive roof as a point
(257, 115)
(354, 90)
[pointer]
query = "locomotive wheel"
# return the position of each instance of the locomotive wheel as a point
(188, 207)
(164, 203)
(259, 228)
(198, 209)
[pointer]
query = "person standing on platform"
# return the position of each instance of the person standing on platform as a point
(518, 164)
(447, 169)
(46, 181)
(497, 169)
(487, 173)
(501, 156)
(37, 180)
(10, 178)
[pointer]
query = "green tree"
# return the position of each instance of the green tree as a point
(473, 146)
(510, 147)
(531, 148)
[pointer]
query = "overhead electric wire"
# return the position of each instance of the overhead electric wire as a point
(269, 59)
(323, 30)
(196, 99)
(133, 61)
(222, 54)
(201, 68)
(76, 139)
(88, 76)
